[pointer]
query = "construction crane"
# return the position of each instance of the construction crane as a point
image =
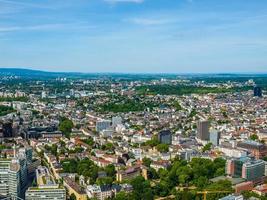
(204, 193)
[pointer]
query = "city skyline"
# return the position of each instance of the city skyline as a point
(134, 36)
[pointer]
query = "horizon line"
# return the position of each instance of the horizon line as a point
(144, 73)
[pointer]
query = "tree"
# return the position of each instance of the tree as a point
(153, 142)
(110, 170)
(254, 137)
(123, 196)
(65, 127)
(146, 161)
(104, 181)
(72, 197)
(141, 189)
(207, 147)
(163, 148)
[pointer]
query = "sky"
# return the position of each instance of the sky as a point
(135, 36)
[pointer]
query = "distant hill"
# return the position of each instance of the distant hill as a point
(27, 72)
(39, 74)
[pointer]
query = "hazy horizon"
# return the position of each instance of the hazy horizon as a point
(134, 36)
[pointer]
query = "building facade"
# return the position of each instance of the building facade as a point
(203, 130)
(165, 137)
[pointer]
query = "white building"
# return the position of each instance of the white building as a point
(46, 188)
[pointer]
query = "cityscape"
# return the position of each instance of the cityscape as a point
(123, 136)
(133, 100)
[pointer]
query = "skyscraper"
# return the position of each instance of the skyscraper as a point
(203, 130)
(102, 125)
(257, 91)
(10, 181)
(165, 137)
(214, 137)
(14, 173)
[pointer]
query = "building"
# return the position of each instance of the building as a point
(44, 95)
(257, 91)
(253, 170)
(232, 197)
(6, 129)
(74, 188)
(203, 130)
(161, 164)
(234, 166)
(245, 186)
(10, 181)
(258, 150)
(131, 173)
(165, 137)
(14, 173)
(102, 192)
(46, 187)
(116, 121)
(215, 137)
(102, 125)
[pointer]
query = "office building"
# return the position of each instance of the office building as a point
(44, 95)
(6, 129)
(102, 125)
(116, 121)
(253, 169)
(258, 150)
(215, 137)
(10, 181)
(165, 137)
(46, 187)
(203, 130)
(257, 91)
(234, 167)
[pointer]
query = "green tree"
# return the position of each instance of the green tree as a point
(110, 170)
(163, 148)
(254, 137)
(146, 161)
(72, 197)
(207, 147)
(104, 181)
(141, 189)
(66, 126)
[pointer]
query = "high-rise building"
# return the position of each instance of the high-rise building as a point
(102, 125)
(165, 137)
(116, 121)
(253, 170)
(14, 173)
(215, 137)
(6, 129)
(14, 179)
(257, 91)
(43, 95)
(10, 177)
(46, 187)
(203, 130)
(234, 167)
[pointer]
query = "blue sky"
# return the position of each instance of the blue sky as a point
(169, 36)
